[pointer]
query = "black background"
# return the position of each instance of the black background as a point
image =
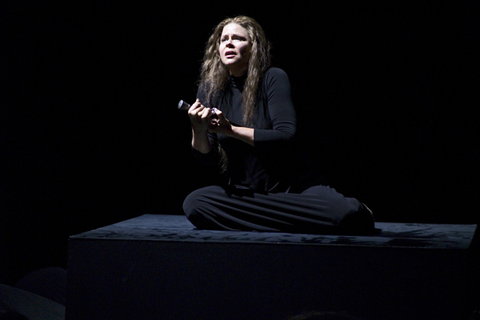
(387, 99)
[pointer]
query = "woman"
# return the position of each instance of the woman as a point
(243, 121)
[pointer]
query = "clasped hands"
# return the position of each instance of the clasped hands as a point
(205, 119)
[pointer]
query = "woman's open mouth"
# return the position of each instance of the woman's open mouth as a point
(230, 54)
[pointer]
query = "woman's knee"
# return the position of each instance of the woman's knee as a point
(192, 202)
(333, 197)
(198, 201)
(361, 221)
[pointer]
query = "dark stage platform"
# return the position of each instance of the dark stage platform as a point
(160, 267)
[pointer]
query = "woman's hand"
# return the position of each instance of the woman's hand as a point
(199, 117)
(220, 124)
(205, 120)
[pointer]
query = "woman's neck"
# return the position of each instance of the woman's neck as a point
(238, 72)
(238, 82)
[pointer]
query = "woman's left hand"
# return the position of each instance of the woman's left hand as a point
(219, 124)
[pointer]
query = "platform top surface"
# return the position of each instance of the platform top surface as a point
(156, 227)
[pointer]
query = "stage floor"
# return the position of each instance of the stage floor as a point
(161, 267)
(178, 228)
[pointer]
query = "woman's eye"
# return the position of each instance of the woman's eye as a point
(233, 39)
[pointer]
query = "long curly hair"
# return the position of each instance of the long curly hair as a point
(215, 75)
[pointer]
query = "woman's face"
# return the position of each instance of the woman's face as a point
(235, 48)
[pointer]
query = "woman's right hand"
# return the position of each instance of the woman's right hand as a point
(199, 117)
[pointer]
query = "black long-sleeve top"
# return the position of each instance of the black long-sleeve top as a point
(261, 167)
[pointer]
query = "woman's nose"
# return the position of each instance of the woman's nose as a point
(229, 42)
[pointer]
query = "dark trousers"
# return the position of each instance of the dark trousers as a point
(318, 209)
